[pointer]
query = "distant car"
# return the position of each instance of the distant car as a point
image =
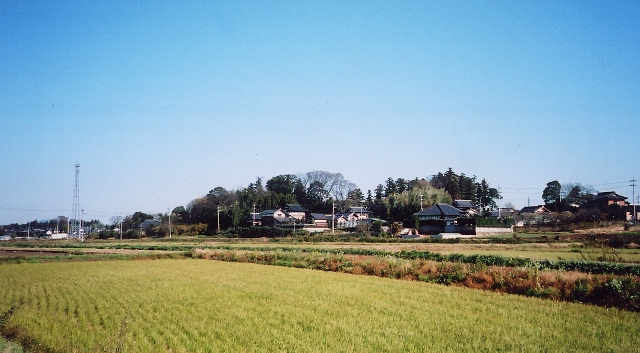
(5, 237)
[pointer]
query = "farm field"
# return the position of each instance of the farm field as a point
(209, 306)
(537, 251)
(542, 251)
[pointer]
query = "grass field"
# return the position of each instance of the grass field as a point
(209, 306)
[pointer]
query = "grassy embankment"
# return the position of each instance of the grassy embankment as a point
(194, 305)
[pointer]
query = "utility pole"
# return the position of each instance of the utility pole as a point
(80, 234)
(169, 212)
(75, 217)
(421, 209)
(218, 219)
(633, 184)
(333, 216)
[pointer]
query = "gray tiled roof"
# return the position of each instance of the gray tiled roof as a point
(296, 208)
(441, 209)
(464, 204)
(609, 195)
(530, 209)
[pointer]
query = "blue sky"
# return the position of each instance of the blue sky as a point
(162, 102)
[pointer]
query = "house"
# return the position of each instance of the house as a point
(540, 209)
(443, 218)
(296, 211)
(339, 221)
(440, 211)
(608, 198)
(319, 220)
(360, 212)
(353, 217)
(272, 217)
(466, 206)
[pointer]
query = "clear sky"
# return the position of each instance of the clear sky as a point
(160, 102)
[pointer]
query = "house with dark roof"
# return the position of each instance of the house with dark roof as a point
(296, 211)
(319, 220)
(443, 218)
(272, 217)
(360, 212)
(466, 206)
(440, 211)
(608, 198)
(540, 209)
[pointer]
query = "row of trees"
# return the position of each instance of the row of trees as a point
(395, 200)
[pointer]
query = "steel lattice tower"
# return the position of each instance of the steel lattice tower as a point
(74, 222)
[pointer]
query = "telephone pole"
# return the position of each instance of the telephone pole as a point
(74, 231)
(169, 212)
(333, 216)
(218, 219)
(633, 184)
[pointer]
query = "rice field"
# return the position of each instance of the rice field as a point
(209, 306)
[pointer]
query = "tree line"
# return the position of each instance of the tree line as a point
(394, 200)
(574, 202)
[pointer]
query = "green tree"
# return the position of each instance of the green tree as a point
(452, 183)
(282, 184)
(467, 188)
(369, 200)
(390, 187)
(355, 197)
(551, 194)
(300, 192)
(486, 196)
(379, 192)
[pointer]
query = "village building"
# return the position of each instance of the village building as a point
(443, 218)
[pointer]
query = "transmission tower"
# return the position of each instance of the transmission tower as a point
(74, 223)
